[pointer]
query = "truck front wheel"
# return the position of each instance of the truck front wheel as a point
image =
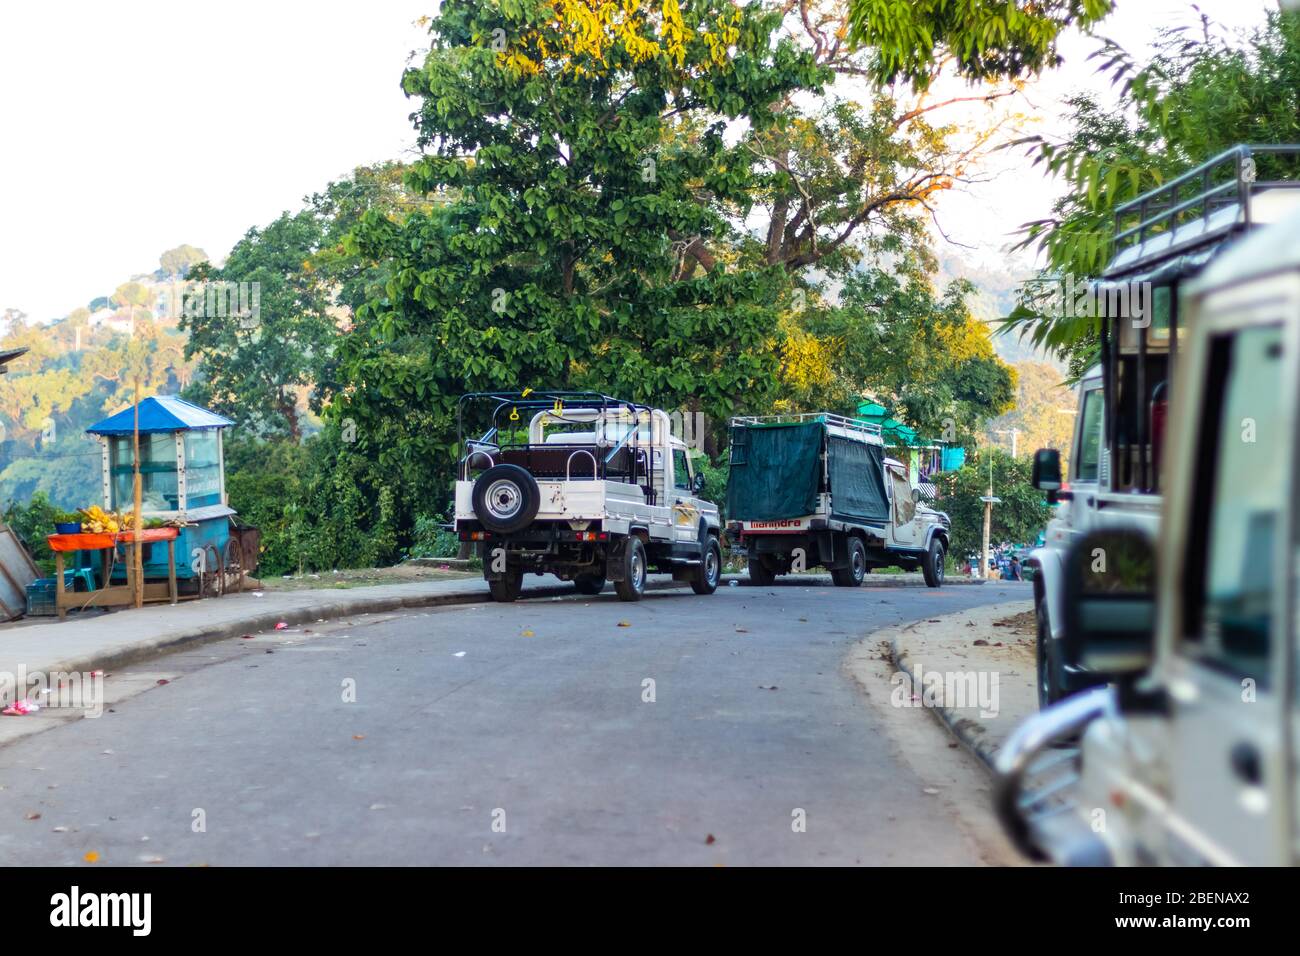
(932, 564)
(632, 585)
(709, 571)
(851, 576)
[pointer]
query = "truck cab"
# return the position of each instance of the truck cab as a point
(1190, 756)
(1161, 241)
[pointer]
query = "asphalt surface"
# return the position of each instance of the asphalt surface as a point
(507, 734)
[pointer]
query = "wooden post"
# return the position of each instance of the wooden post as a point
(58, 586)
(171, 568)
(137, 557)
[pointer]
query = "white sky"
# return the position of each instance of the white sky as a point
(986, 215)
(129, 128)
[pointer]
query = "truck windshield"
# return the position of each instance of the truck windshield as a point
(1241, 464)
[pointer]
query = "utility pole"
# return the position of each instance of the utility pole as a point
(989, 501)
(137, 565)
(1015, 436)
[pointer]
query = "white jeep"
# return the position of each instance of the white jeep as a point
(583, 486)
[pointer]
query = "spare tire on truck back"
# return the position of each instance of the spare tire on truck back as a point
(505, 499)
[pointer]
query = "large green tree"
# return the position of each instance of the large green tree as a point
(893, 337)
(1203, 91)
(984, 38)
(262, 326)
(592, 196)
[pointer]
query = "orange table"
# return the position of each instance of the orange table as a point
(121, 595)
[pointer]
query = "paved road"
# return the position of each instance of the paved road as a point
(516, 734)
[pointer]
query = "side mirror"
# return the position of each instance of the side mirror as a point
(697, 485)
(1046, 475)
(1109, 596)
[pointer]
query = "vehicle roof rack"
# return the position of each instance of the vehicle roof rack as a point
(534, 398)
(796, 418)
(1199, 208)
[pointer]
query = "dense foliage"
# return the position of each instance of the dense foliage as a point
(1019, 517)
(1204, 91)
(986, 38)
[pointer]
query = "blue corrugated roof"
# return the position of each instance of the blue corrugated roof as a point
(159, 413)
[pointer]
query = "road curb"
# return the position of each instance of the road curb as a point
(963, 728)
(969, 731)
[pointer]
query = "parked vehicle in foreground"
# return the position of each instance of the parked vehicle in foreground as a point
(1191, 758)
(816, 490)
(1161, 240)
(583, 486)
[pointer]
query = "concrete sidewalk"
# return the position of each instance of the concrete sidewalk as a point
(993, 644)
(103, 641)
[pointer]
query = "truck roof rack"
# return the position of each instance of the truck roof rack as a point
(1201, 207)
(795, 418)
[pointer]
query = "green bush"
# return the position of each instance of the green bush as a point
(32, 523)
(715, 481)
(431, 540)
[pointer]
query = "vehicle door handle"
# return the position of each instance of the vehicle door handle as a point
(1245, 761)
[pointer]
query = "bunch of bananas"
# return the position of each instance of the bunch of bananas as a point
(99, 521)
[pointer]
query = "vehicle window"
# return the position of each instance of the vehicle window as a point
(1240, 466)
(681, 473)
(1088, 457)
(1161, 305)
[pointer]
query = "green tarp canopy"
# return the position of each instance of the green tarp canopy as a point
(857, 479)
(776, 473)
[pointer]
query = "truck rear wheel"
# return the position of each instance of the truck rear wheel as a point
(852, 575)
(932, 564)
(709, 571)
(507, 589)
(634, 571)
(760, 574)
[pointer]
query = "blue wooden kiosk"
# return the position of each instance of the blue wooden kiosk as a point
(183, 480)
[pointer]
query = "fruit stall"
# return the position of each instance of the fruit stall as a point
(191, 541)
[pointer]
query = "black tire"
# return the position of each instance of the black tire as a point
(634, 571)
(589, 583)
(852, 575)
(760, 574)
(506, 590)
(932, 565)
(709, 571)
(1049, 673)
(505, 498)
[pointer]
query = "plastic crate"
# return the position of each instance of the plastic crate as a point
(41, 592)
(40, 598)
